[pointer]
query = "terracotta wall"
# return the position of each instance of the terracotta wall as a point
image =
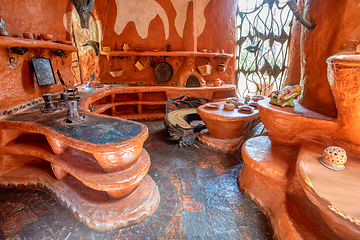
(33, 16)
(158, 23)
(337, 28)
(152, 25)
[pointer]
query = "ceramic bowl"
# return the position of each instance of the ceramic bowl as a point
(257, 98)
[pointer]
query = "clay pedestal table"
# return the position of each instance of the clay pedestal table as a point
(226, 130)
(97, 168)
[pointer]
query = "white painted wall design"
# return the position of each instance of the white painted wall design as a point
(141, 12)
(181, 11)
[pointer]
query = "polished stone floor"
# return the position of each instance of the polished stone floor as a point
(200, 199)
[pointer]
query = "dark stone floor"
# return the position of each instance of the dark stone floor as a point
(200, 199)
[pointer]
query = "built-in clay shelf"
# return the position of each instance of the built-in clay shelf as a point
(34, 43)
(165, 54)
(146, 103)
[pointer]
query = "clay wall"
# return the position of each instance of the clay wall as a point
(150, 26)
(33, 16)
(337, 28)
(145, 26)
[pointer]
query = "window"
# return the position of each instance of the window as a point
(263, 33)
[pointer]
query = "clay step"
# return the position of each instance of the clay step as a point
(83, 168)
(93, 208)
(279, 164)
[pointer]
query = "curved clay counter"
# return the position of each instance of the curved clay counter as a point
(335, 193)
(291, 126)
(100, 166)
(146, 102)
(316, 203)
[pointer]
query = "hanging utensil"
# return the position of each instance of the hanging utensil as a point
(58, 72)
(163, 72)
(13, 63)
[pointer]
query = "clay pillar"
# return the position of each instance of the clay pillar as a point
(344, 80)
(190, 36)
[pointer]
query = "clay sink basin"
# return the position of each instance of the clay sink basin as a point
(225, 124)
(335, 193)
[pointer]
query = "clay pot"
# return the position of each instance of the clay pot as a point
(218, 82)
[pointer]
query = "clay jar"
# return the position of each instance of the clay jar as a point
(218, 82)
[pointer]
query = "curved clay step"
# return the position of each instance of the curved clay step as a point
(93, 208)
(84, 169)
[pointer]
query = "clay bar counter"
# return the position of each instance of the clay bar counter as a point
(97, 168)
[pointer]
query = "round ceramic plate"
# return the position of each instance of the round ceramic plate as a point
(253, 104)
(246, 109)
(212, 105)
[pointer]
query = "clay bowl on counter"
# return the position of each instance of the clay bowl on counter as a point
(256, 98)
(229, 106)
(46, 36)
(28, 35)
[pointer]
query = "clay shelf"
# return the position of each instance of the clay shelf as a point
(164, 54)
(135, 103)
(90, 174)
(33, 43)
(141, 116)
(105, 106)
